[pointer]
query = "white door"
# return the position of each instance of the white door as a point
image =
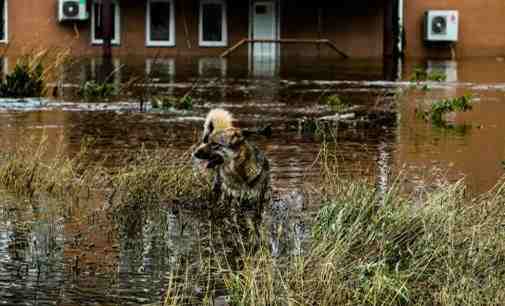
(264, 26)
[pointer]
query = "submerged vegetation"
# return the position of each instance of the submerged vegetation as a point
(28, 171)
(422, 75)
(25, 81)
(94, 91)
(32, 170)
(32, 73)
(336, 103)
(365, 246)
(440, 108)
(170, 102)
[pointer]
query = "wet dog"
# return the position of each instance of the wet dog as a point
(242, 172)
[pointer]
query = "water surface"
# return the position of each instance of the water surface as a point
(79, 255)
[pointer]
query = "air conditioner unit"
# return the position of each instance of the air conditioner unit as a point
(72, 10)
(441, 26)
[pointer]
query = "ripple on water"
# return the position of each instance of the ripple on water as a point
(52, 257)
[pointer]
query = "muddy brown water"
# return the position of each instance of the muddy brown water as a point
(78, 256)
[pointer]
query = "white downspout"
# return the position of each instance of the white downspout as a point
(400, 25)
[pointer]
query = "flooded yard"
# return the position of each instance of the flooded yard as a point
(75, 253)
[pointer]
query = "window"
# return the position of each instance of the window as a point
(3, 21)
(213, 29)
(97, 24)
(160, 23)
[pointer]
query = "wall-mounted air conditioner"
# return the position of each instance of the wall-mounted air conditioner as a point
(441, 26)
(72, 10)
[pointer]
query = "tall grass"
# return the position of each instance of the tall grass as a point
(30, 169)
(368, 247)
(33, 72)
(155, 176)
(147, 176)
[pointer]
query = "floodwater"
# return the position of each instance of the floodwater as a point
(79, 256)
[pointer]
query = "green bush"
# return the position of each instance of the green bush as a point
(439, 108)
(421, 75)
(167, 102)
(336, 103)
(93, 91)
(25, 81)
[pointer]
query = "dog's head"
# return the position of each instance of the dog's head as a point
(220, 146)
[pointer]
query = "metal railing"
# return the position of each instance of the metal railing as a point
(245, 41)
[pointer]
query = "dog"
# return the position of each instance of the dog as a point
(242, 171)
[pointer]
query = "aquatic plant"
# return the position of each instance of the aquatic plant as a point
(367, 247)
(26, 80)
(369, 250)
(440, 108)
(147, 176)
(154, 176)
(33, 73)
(422, 75)
(336, 103)
(171, 102)
(28, 170)
(95, 91)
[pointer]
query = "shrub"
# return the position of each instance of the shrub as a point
(24, 81)
(167, 102)
(94, 91)
(336, 103)
(442, 107)
(422, 75)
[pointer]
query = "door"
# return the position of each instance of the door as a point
(264, 26)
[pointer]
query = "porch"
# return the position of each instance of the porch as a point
(359, 29)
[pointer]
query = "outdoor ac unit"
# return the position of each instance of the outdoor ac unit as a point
(441, 26)
(72, 10)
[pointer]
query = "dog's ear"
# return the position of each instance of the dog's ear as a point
(208, 132)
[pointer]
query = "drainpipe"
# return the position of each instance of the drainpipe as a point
(400, 26)
(107, 26)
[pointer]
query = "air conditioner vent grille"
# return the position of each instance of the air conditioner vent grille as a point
(71, 9)
(439, 25)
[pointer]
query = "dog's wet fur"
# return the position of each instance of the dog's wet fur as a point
(241, 170)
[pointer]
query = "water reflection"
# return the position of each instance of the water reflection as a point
(447, 68)
(160, 69)
(93, 68)
(78, 253)
(212, 66)
(264, 66)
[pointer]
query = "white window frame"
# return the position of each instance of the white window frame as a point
(117, 24)
(6, 21)
(224, 35)
(160, 43)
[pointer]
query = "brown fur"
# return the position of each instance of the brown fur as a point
(242, 171)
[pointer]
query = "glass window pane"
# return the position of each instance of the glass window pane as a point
(212, 22)
(160, 21)
(99, 22)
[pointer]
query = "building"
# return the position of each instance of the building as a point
(481, 28)
(358, 28)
